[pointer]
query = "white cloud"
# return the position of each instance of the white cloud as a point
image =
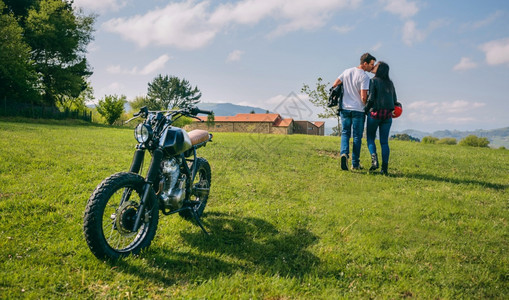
(115, 88)
(402, 8)
(484, 22)
(150, 68)
(193, 24)
(235, 56)
(100, 5)
(465, 64)
(497, 52)
(343, 29)
(456, 112)
(377, 46)
(182, 25)
(412, 35)
(93, 47)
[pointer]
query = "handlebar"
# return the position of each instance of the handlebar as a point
(191, 112)
(196, 110)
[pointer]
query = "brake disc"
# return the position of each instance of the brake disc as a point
(125, 218)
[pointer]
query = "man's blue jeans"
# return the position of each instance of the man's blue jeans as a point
(385, 127)
(352, 123)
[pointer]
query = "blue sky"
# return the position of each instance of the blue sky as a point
(449, 59)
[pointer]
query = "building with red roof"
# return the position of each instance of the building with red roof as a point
(254, 123)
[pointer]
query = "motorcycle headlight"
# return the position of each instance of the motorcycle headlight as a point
(142, 133)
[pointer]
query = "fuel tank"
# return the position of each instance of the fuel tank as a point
(174, 141)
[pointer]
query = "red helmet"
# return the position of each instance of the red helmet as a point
(398, 110)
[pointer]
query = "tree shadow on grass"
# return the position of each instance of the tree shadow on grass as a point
(235, 244)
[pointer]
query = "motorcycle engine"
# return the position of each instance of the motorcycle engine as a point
(172, 187)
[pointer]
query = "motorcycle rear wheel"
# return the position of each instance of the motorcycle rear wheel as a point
(110, 215)
(202, 180)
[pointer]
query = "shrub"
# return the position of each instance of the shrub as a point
(474, 141)
(429, 140)
(111, 108)
(447, 141)
(404, 137)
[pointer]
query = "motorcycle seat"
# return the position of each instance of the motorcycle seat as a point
(198, 136)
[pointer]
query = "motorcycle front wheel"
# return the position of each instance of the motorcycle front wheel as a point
(110, 216)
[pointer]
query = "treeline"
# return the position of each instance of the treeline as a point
(164, 92)
(43, 53)
(471, 140)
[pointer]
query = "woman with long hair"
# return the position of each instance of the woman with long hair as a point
(379, 108)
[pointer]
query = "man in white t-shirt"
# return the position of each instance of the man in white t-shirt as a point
(355, 93)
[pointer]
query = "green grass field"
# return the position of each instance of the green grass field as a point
(286, 223)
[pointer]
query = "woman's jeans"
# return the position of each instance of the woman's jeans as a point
(352, 122)
(385, 127)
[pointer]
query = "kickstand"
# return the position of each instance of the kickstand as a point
(197, 219)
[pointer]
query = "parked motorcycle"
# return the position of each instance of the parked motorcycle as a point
(122, 213)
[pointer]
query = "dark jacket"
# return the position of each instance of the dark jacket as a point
(382, 95)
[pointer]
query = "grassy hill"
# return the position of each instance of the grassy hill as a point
(286, 223)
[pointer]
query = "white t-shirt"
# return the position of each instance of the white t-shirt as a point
(354, 80)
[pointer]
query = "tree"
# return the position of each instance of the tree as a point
(58, 37)
(80, 102)
(336, 131)
(111, 107)
(142, 101)
(447, 141)
(17, 73)
(211, 120)
(20, 7)
(429, 140)
(319, 97)
(404, 137)
(474, 141)
(172, 92)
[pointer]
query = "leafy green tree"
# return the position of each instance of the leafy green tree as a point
(17, 73)
(211, 120)
(142, 101)
(58, 37)
(80, 102)
(20, 7)
(319, 96)
(336, 131)
(172, 92)
(429, 140)
(404, 137)
(447, 141)
(474, 141)
(111, 108)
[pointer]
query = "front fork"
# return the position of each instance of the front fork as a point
(152, 175)
(138, 158)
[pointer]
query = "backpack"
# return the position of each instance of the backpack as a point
(336, 96)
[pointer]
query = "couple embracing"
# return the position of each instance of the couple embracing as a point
(375, 98)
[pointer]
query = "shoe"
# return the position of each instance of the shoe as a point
(344, 162)
(358, 168)
(374, 162)
(384, 169)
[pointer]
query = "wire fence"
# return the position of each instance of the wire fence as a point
(28, 110)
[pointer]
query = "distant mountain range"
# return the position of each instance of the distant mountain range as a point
(229, 109)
